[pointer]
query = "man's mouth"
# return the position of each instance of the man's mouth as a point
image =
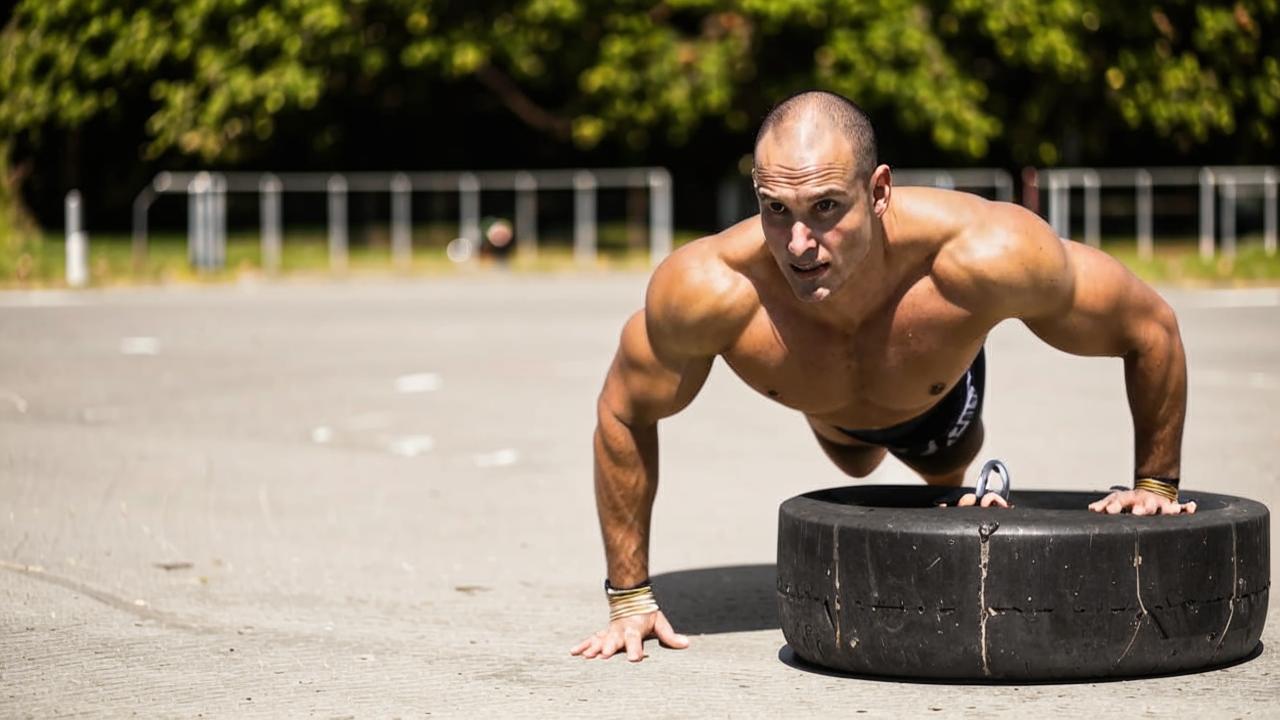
(809, 271)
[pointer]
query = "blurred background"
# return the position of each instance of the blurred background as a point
(102, 97)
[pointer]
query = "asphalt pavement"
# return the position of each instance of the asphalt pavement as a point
(373, 498)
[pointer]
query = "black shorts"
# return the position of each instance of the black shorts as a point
(940, 427)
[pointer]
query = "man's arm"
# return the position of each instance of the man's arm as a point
(663, 359)
(1084, 302)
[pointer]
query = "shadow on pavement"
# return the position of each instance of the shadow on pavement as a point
(788, 657)
(704, 601)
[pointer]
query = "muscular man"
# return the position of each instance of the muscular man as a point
(865, 307)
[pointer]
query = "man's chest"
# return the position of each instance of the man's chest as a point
(893, 366)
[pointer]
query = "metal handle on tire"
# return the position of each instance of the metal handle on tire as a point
(986, 471)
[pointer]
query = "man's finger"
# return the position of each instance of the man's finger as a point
(1115, 507)
(582, 646)
(635, 644)
(667, 635)
(967, 500)
(1190, 507)
(593, 649)
(994, 499)
(610, 647)
(1171, 508)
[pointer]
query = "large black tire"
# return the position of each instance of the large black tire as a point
(876, 580)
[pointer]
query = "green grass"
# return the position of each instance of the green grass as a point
(1178, 262)
(40, 262)
(304, 253)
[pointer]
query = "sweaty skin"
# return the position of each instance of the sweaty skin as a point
(859, 304)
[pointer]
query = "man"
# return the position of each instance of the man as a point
(865, 307)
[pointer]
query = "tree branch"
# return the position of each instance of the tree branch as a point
(522, 106)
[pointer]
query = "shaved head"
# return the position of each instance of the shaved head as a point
(835, 111)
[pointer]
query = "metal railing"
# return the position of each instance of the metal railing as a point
(206, 196)
(1219, 185)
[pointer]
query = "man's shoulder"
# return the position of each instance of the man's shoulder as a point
(700, 297)
(1004, 260)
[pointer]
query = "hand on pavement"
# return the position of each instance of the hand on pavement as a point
(629, 634)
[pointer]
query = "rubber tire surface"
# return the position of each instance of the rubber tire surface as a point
(876, 580)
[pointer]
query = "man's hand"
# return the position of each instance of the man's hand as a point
(629, 633)
(1140, 502)
(988, 500)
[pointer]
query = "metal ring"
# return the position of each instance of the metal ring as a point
(986, 471)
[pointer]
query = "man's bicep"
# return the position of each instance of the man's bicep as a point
(645, 385)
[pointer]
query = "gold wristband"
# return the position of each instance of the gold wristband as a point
(1159, 487)
(626, 603)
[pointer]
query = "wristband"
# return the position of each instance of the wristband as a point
(638, 600)
(1164, 487)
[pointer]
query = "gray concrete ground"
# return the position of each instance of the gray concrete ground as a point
(374, 499)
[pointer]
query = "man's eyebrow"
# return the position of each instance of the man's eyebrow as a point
(811, 195)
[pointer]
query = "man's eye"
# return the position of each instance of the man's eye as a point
(776, 208)
(825, 205)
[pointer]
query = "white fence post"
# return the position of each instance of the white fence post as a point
(1269, 211)
(402, 220)
(660, 220)
(77, 243)
(1207, 193)
(1143, 210)
(218, 221)
(584, 217)
(469, 210)
(526, 215)
(199, 221)
(337, 189)
(1228, 218)
(269, 187)
(1092, 209)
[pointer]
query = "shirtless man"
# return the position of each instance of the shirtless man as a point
(865, 307)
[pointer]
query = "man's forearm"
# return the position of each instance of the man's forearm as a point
(626, 480)
(1156, 381)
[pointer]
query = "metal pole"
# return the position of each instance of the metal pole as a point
(526, 216)
(269, 212)
(218, 222)
(337, 188)
(1064, 203)
(1092, 211)
(584, 217)
(1207, 181)
(1004, 186)
(1269, 211)
(1055, 203)
(198, 210)
(77, 243)
(1142, 184)
(1228, 219)
(660, 220)
(401, 220)
(469, 210)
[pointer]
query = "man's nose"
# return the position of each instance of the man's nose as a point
(801, 240)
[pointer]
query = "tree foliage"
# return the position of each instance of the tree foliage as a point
(1026, 76)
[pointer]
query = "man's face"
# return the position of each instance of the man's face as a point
(816, 210)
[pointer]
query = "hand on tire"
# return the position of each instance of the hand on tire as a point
(1140, 502)
(988, 500)
(629, 634)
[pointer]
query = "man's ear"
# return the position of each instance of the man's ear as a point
(754, 185)
(881, 189)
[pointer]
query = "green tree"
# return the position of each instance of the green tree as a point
(215, 76)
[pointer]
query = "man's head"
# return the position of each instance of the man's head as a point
(820, 189)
